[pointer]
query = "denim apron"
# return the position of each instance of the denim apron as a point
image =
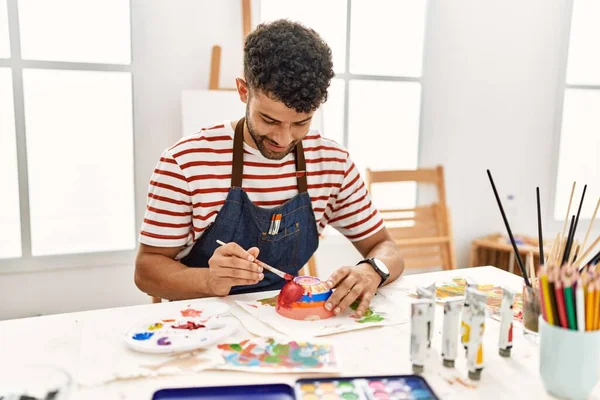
(246, 224)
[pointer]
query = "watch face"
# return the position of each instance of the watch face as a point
(381, 266)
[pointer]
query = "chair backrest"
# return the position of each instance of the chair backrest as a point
(424, 232)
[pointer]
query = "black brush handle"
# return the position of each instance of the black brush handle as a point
(510, 235)
(540, 235)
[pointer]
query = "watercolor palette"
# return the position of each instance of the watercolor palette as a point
(171, 335)
(373, 388)
(352, 388)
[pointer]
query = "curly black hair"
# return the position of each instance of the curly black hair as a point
(289, 63)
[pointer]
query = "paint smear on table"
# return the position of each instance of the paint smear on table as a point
(273, 355)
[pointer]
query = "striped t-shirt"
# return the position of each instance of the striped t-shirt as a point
(192, 179)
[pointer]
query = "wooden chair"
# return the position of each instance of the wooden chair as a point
(423, 233)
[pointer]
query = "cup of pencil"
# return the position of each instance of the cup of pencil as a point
(568, 283)
(569, 330)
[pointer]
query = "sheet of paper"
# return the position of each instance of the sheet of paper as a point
(382, 312)
(270, 355)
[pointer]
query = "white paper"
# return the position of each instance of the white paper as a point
(384, 313)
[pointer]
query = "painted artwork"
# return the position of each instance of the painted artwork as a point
(272, 355)
(457, 286)
(304, 299)
(382, 312)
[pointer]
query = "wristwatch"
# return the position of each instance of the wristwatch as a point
(379, 267)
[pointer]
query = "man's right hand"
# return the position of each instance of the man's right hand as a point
(231, 265)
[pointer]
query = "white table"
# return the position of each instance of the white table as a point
(61, 340)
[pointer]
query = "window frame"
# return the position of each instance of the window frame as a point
(552, 223)
(27, 262)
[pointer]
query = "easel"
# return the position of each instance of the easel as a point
(215, 60)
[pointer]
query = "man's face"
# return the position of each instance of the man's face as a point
(275, 128)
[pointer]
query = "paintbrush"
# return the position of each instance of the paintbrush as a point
(284, 275)
(510, 235)
(540, 236)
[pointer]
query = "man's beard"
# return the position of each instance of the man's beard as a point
(260, 142)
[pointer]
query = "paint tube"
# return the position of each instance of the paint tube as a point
(475, 342)
(452, 306)
(418, 333)
(428, 292)
(506, 325)
(467, 313)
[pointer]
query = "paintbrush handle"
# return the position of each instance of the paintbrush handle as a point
(262, 264)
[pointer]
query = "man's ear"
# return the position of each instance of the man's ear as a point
(242, 88)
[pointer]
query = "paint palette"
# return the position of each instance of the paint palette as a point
(171, 335)
(374, 388)
(354, 388)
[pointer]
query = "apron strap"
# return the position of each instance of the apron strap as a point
(238, 155)
(301, 168)
(237, 170)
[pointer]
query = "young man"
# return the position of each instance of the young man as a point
(265, 185)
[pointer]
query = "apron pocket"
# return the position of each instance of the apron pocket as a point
(281, 250)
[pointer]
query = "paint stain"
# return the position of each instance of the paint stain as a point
(168, 320)
(460, 381)
(253, 305)
(190, 312)
(290, 293)
(189, 325)
(163, 341)
(155, 327)
(143, 335)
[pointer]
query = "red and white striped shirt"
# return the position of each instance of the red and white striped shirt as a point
(192, 179)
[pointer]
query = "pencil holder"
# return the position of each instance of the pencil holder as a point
(569, 360)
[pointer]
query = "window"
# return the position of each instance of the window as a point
(66, 132)
(579, 152)
(374, 101)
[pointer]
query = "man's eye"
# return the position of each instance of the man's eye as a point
(270, 122)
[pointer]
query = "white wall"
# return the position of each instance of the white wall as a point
(491, 77)
(490, 87)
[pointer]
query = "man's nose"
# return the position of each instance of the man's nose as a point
(283, 136)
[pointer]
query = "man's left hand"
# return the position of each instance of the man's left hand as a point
(351, 284)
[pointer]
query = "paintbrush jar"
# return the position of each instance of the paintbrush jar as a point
(531, 312)
(569, 361)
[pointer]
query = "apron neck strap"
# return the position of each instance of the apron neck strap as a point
(238, 155)
(238, 160)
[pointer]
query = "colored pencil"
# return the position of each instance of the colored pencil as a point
(570, 302)
(547, 302)
(510, 235)
(596, 311)
(543, 304)
(590, 304)
(560, 304)
(580, 305)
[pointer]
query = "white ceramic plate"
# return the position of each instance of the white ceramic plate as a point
(173, 335)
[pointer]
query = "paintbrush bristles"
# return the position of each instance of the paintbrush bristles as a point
(587, 252)
(587, 234)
